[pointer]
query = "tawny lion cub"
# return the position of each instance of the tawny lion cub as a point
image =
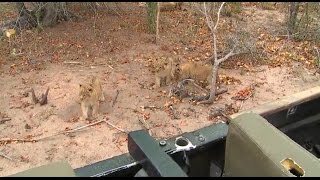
(199, 72)
(90, 95)
(169, 74)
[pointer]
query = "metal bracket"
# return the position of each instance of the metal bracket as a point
(291, 111)
(153, 160)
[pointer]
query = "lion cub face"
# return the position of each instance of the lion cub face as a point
(169, 74)
(87, 92)
(90, 94)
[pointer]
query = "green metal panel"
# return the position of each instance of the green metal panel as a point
(154, 161)
(256, 148)
(57, 169)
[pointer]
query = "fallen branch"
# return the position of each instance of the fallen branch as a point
(150, 107)
(144, 124)
(8, 140)
(180, 89)
(82, 127)
(115, 98)
(110, 66)
(65, 132)
(72, 62)
(109, 123)
(195, 84)
(5, 156)
(206, 97)
(3, 120)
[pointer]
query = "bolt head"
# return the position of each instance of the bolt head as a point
(162, 143)
(201, 138)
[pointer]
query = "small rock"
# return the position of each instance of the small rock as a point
(27, 126)
(185, 113)
(214, 113)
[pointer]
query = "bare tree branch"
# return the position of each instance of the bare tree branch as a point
(215, 27)
(209, 21)
(231, 53)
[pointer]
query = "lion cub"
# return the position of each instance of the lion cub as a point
(90, 95)
(169, 74)
(199, 72)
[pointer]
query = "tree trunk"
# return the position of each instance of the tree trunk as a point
(293, 13)
(152, 13)
(157, 30)
(213, 90)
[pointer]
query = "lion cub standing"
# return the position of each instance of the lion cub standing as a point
(168, 74)
(90, 95)
(198, 72)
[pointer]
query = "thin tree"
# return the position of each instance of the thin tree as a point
(216, 62)
(293, 16)
(157, 30)
(152, 13)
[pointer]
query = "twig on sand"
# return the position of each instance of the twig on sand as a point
(5, 156)
(8, 140)
(109, 123)
(82, 127)
(115, 98)
(110, 67)
(68, 131)
(72, 62)
(3, 120)
(145, 125)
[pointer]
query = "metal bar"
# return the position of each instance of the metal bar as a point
(308, 121)
(109, 166)
(153, 160)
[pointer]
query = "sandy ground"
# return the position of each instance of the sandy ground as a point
(127, 72)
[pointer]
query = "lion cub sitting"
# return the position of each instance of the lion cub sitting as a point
(90, 95)
(169, 74)
(198, 72)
